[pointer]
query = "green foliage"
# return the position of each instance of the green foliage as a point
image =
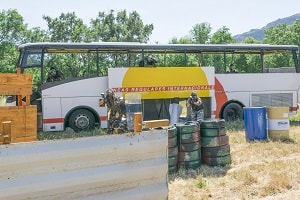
(67, 28)
(12, 27)
(36, 34)
(120, 27)
(8, 57)
(201, 33)
(222, 36)
(129, 27)
(201, 184)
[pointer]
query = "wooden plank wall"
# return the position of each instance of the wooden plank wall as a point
(15, 84)
(23, 122)
(115, 167)
(23, 117)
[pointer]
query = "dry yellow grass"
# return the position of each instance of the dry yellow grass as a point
(259, 170)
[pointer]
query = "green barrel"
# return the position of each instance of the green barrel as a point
(217, 161)
(189, 142)
(215, 148)
(214, 141)
(212, 123)
(172, 149)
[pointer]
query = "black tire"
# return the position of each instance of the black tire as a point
(212, 132)
(215, 151)
(173, 151)
(172, 142)
(217, 161)
(214, 141)
(212, 123)
(189, 147)
(172, 132)
(82, 120)
(232, 112)
(189, 156)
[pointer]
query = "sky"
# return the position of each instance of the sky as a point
(170, 18)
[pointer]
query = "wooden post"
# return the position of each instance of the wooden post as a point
(6, 128)
(156, 123)
(137, 122)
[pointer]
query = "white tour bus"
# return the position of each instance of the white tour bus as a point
(90, 69)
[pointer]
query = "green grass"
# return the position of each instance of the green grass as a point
(238, 125)
(69, 134)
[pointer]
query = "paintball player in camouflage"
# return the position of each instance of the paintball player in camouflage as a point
(195, 104)
(54, 75)
(116, 110)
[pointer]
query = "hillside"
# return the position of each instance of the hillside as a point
(258, 34)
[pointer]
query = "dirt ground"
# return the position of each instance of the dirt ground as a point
(268, 170)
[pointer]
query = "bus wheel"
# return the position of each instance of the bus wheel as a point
(81, 120)
(232, 112)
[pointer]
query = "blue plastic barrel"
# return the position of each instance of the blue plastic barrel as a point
(255, 119)
(131, 108)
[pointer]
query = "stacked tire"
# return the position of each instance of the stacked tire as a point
(189, 143)
(172, 149)
(215, 148)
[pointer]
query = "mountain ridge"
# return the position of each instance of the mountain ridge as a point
(258, 34)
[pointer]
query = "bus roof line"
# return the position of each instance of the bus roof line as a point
(131, 47)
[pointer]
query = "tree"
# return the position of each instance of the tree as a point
(200, 33)
(295, 30)
(12, 29)
(36, 34)
(120, 28)
(279, 34)
(222, 36)
(250, 40)
(67, 28)
(282, 34)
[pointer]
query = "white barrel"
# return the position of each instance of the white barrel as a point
(278, 123)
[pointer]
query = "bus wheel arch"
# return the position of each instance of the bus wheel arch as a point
(232, 110)
(81, 119)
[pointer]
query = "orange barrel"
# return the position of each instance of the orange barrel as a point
(137, 122)
(278, 123)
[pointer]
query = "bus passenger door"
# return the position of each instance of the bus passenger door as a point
(52, 116)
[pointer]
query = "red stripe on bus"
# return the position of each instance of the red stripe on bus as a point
(293, 108)
(53, 120)
(61, 120)
(103, 118)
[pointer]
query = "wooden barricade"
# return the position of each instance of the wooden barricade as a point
(16, 84)
(21, 120)
(156, 123)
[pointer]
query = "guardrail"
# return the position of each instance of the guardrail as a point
(102, 167)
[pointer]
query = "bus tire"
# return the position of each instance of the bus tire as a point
(81, 120)
(232, 112)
